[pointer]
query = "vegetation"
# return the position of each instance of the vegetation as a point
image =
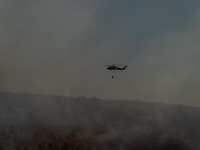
(39, 122)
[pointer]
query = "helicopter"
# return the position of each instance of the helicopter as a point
(114, 67)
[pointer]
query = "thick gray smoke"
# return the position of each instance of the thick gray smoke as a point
(30, 120)
(61, 47)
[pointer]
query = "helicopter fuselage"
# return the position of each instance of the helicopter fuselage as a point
(116, 68)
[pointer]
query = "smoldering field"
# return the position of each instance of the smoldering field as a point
(30, 121)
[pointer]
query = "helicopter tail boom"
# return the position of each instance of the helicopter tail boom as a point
(124, 67)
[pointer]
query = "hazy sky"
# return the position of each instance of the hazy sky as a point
(60, 48)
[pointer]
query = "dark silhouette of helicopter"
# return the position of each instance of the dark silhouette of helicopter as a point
(114, 67)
